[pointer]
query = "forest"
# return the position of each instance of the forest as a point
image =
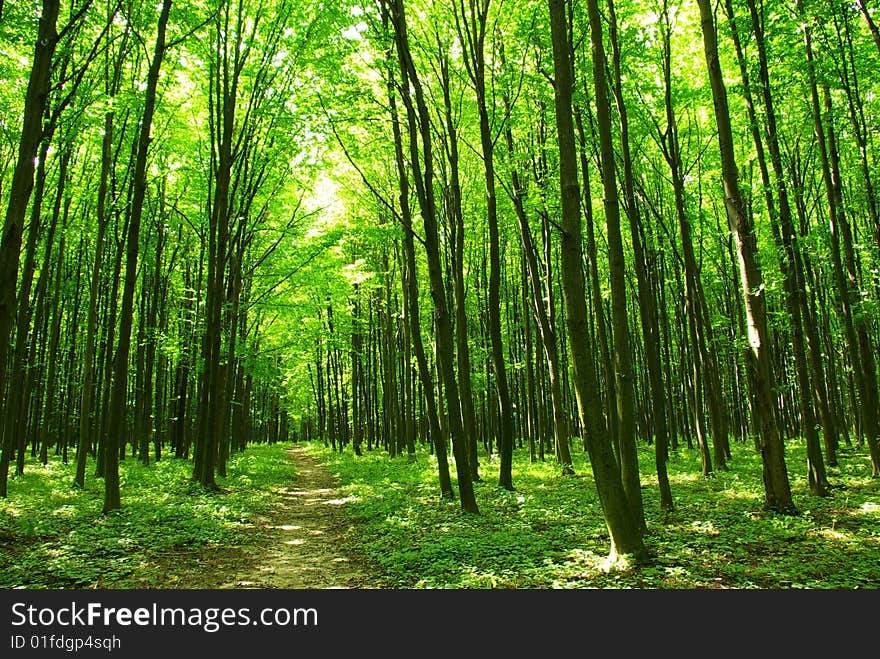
(487, 293)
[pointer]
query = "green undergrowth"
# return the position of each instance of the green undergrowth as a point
(54, 536)
(549, 533)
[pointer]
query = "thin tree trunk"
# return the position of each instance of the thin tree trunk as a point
(647, 310)
(595, 288)
(112, 498)
(463, 351)
(776, 486)
(87, 420)
(23, 368)
(622, 522)
(858, 343)
(471, 27)
(546, 330)
(870, 21)
(420, 129)
(36, 99)
(623, 368)
(793, 276)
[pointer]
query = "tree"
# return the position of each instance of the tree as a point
(626, 447)
(19, 195)
(471, 27)
(420, 135)
(622, 522)
(777, 491)
(116, 423)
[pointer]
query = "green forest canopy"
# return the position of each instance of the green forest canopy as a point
(479, 226)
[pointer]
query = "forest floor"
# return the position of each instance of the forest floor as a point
(305, 517)
(550, 533)
(278, 521)
(298, 542)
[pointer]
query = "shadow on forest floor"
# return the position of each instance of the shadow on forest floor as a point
(279, 523)
(296, 543)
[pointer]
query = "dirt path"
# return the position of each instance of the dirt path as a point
(299, 543)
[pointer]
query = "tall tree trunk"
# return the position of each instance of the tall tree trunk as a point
(36, 99)
(151, 335)
(463, 352)
(15, 427)
(48, 430)
(820, 388)
(786, 239)
(623, 369)
(546, 330)
(777, 490)
(420, 130)
(595, 291)
(116, 426)
(858, 343)
(696, 320)
(647, 309)
(622, 522)
(471, 26)
(87, 419)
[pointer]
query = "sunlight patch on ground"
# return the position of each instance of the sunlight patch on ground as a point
(834, 534)
(704, 527)
(299, 493)
(585, 558)
(341, 502)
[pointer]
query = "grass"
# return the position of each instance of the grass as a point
(53, 536)
(550, 532)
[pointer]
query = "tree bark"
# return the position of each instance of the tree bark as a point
(777, 491)
(647, 308)
(116, 426)
(623, 369)
(420, 131)
(36, 99)
(623, 525)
